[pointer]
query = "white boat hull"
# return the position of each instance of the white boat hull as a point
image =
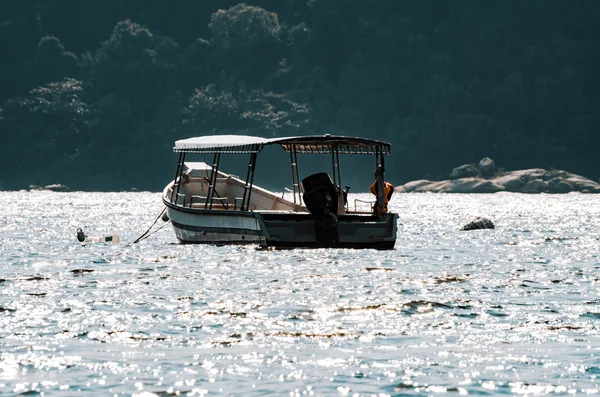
(215, 227)
(279, 229)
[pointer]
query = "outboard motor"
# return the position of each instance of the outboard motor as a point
(321, 199)
(320, 194)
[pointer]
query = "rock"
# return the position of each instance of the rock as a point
(57, 187)
(411, 186)
(465, 171)
(487, 166)
(553, 182)
(557, 174)
(533, 180)
(533, 173)
(478, 223)
(473, 185)
(511, 182)
(433, 187)
(535, 186)
(581, 184)
(35, 187)
(561, 187)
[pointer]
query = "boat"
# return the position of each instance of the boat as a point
(208, 206)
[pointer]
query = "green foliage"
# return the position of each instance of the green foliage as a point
(48, 125)
(212, 111)
(242, 27)
(245, 40)
(196, 70)
(19, 36)
(135, 63)
(53, 61)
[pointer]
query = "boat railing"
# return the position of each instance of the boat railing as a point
(371, 203)
(170, 194)
(222, 202)
(198, 199)
(180, 198)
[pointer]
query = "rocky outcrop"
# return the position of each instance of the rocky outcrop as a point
(479, 223)
(483, 178)
(56, 187)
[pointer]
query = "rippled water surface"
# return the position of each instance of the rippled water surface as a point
(510, 311)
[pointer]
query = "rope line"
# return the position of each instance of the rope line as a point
(147, 233)
(150, 234)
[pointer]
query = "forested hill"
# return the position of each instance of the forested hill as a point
(93, 93)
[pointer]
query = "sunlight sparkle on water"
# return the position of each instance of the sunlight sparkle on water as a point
(509, 311)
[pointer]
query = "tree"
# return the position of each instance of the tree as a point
(53, 61)
(48, 124)
(214, 111)
(246, 42)
(137, 64)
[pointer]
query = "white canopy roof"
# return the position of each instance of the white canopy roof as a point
(315, 144)
(221, 143)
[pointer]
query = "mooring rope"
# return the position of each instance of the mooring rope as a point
(147, 233)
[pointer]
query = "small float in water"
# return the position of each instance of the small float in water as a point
(106, 238)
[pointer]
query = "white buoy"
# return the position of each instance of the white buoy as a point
(107, 238)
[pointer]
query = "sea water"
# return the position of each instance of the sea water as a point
(509, 311)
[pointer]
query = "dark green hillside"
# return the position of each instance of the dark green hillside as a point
(93, 93)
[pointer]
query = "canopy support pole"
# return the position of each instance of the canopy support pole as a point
(249, 183)
(379, 177)
(213, 181)
(178, 171)
(296, 188)
(339, 169)
(333, 165)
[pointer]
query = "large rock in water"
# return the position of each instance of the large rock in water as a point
(478, 223)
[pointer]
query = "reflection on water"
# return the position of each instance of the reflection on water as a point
(510, 311)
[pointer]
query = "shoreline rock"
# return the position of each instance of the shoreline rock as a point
(469, 178)
(55, 187)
